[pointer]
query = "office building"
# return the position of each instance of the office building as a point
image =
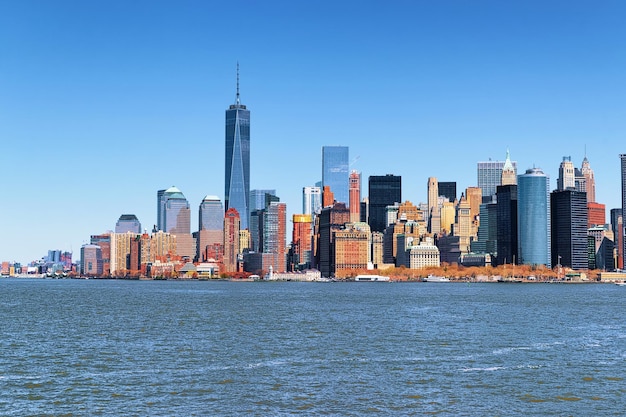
(352, 248)
(509, 173)
(507, 224)
(232, 225)
(355, 197)
(128, 223)
(533, 218)
(330, 219)
(176, 219)
(590, 181)
(568, 210)
(489, 176)
(301, 241)
(596, 214)
(335, 173)
(237, 161)
(311, 200)
(567, 175)
(447, 189)
(275, 234)
(434, 214)
(383, 191)
(91, 264)
(211, 226)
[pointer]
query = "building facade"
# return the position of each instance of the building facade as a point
(237, 159)
(569, 228)
(355, 197)
(232, 225)
(335, 165)
(128, 223)
(533, 218)
(383, 191)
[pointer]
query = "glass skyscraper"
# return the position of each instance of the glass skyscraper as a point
(237, 162)
(383, 191)
(533, 221)
(490, 176)
(335, 173)
(211, 214)
(128, 223)
(174, 212)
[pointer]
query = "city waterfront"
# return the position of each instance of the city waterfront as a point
(107, 347)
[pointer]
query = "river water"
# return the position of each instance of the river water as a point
(164, 348)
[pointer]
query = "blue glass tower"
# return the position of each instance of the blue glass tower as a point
(335, 171)
(237, 162)
(533, 218)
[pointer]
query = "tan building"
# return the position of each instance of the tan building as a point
(423, 255)
(162, 246)
(377, 249)
(351, 248)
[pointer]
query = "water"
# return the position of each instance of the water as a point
(163, 348)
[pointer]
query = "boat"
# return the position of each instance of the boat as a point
(371, 278)
(620, 283)
(436, 278)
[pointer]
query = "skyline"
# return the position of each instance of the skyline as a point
(101, 105)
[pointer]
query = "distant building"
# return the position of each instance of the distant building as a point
(311, 200)
(128, 223)
(596, 214)
(383, 191)
(507, 228)
(351, 248)
(355, 197)
(231, 240)
(533, 218)
(104, 242)
(275, 234)
(237, 159)
(590, 181)
(447, 189)
(176, 219)
(331, 219)
(569, 228)
(335, 164)
(301, 241)
(567, 175)
(489, 176)
(91, 261)
(423, 255)
(211, 226)
(621, 232)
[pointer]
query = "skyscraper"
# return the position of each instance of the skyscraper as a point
(335, 171)
(434, 215)
(301, 241)
(128, 223)
(275, 234)
(211, 227)
(176, 219)
(231, 240)
(507, 224)
(533, 218)
(567, 175)
(355, 196)
(447, 189)
(237, 162)
(384, 190)
(568, 211)
(490, 176)
(590, 181)
(311, 200)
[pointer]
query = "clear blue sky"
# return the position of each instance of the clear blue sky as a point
(102, 103)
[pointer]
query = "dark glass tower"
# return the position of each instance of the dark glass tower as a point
(384, 190)
(507, 224)
(569, 228)
(237, 162)
(448, 190)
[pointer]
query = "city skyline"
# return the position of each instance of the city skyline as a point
(96, 122)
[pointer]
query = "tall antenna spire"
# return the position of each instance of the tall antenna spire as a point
(237, 83)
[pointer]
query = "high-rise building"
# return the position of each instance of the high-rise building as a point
(231, 240)
(355, 197)
(621, 230)
(237, 162)
(275, 234)
(509, 173)
(104, 242)
(567, 175)
(507, 224)
(596, 214)
(91, 261)
(330, 219)
(176, 219)
(260, 199)
(128, 223)
(301, 241)
(489, 175)
(160, 210)
(568, 211)
(533, 218)
(335, 173)
(447, 189)
(590, 181)
(211, 226)
(311, 200)
(383, 191)
(434, 215)
(351, 248)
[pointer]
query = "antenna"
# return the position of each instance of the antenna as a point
(237, 82)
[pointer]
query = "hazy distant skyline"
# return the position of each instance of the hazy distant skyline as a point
(104, 103)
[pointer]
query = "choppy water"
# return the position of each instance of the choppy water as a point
(111, 348)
